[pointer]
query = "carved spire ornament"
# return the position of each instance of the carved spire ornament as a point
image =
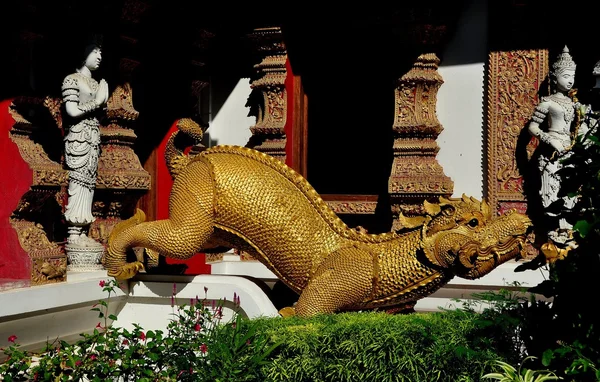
(416, 175)
(269, 101)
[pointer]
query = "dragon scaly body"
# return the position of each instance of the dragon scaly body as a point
(238, 197)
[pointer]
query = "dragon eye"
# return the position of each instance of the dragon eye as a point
(473, 223)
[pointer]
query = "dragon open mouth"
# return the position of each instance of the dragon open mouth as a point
(485, 259)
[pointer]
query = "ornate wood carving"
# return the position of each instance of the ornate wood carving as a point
(269, 101)
(31, 218)
(351, 204)
(514, 80)
(416, 175)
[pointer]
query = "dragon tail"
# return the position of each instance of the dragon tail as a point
(175, 156)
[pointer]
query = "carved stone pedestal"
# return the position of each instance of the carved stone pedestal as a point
(82, 259)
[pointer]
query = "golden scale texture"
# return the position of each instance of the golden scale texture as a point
(239, 197)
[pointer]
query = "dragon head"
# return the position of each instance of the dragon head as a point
(461, 234)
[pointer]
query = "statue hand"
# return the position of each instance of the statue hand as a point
(102, 94)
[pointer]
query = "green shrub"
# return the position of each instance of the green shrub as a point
(376, 347)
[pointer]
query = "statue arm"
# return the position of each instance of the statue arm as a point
(70, 93)
(539, 115)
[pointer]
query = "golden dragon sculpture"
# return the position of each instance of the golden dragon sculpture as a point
(238, 197)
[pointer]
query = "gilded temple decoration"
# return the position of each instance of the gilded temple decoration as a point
(32, 219)
(416, 175)
(514, 81)
(269, 99)
(278, 218)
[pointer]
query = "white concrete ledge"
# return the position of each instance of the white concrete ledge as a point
(63, 310)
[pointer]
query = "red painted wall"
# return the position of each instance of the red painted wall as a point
(15, 180)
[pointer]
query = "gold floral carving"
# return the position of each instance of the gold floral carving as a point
(119, 167)
(120, 104)
(416, 175)
(213, 257)
(514, 80)
(352, 207)
(48, 270)
(33, 239)
(53, 105)
(268, 134)
(45, 171)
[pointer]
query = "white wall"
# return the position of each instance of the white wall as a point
(460, 106)
(230, 125)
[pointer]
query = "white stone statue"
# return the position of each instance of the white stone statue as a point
(84, 98)
(556, 113)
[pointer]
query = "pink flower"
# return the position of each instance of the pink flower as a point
(205, 289)
(93, 357)
(78, 362)
(142, 336)
(247, 342)
(98, 326)
(203, 348)
(125, 341)
(174, 289)
(12, 338)
(102, 283)
(197, 327)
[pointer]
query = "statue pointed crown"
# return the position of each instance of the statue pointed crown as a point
(564, 61)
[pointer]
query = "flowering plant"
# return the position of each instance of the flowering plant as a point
(196, 338)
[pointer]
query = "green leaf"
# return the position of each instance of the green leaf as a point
(547, 357)
(583, 227)
(112, 317)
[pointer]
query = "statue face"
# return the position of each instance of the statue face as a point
(93, 60)
(565, 80)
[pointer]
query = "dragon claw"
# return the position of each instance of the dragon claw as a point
(288, 311)
(127, 271)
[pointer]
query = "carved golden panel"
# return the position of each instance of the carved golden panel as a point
(514, 80)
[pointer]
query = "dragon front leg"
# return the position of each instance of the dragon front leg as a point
(188, 228)
(343, 279)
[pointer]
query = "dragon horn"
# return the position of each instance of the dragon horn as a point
(485, 208)
(431, 208)
(444, 201)
(412, 222)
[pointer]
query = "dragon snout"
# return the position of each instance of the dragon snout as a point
(505, 241)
